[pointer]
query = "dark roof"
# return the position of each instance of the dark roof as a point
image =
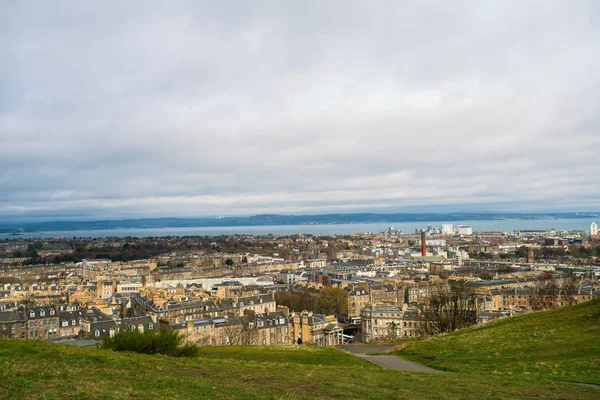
(49, 312)
(191, 303)
(383, 308)
(356, 291)
(70, 315)
(203, 322)
(145, 320)
(95, 315)
(229, 283)
(178, 325)
(9, 279)
(256, 299)
(104, 328)
(227, 303)
(17, 315)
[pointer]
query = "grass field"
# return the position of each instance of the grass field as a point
(562, 344)
(35, 369)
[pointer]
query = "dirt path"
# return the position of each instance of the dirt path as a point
(386, 361)
(592, 385)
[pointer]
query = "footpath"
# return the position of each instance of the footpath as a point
(386, 361)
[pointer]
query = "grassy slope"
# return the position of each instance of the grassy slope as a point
(562, 344)
(34, 369)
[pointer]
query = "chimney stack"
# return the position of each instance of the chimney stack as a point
(423, 244)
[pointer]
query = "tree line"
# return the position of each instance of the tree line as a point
(330, 300)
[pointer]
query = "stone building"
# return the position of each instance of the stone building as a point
(379, 321)
(317, 329)
(13, 323)
(250, 329)
(42, 322)
(383, 321)
(71, 320)
(358, 298)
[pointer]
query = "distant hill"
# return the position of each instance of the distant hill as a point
(275, 219)
(517, 358)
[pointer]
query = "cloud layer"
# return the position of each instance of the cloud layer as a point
(124, 109)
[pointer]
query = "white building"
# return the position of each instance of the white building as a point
(465, 230)
(447, 229)
(129, 287)
(316, 263)
(458, 256)
(594, 229)
(436, 242)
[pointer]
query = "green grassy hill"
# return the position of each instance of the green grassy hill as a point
(562, 344)
(534, 353)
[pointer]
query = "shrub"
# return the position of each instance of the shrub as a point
(164, 341)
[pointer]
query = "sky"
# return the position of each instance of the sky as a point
(113, 109)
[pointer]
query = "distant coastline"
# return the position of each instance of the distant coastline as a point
(280, 220)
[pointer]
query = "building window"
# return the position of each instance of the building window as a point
(42, 313)
(52, 311)
(96, 333)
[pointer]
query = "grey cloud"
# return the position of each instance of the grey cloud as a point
(202, 108)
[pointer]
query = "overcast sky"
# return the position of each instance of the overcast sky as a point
(113, 109)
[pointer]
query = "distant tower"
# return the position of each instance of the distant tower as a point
(423, 243)
(529, 258)
(594, 229)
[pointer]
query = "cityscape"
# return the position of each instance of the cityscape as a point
(276, 290)
(292, 200)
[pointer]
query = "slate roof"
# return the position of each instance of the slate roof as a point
(95, 315)
(203, 322)
(135, 321)
(103, 328)
(255, 299)
(70, 316)
(17, 315)
(48, 311)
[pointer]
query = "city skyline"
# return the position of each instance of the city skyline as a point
(111, 110)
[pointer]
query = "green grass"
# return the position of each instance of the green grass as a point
(39, 370)
(562, 344)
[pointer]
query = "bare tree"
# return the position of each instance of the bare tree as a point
(331, 300)
(568, 289)
(449, 308)
(233, 334)
(249, 331)
(206, 340)
(544, 292)
(392, 330)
